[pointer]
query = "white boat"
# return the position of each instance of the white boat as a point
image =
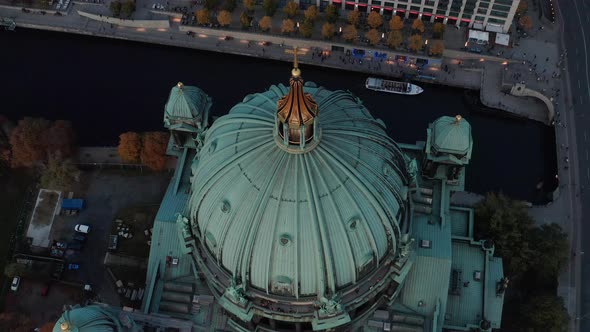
(402, 88)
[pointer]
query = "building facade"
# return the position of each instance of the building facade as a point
(489, 15)
(296, 212)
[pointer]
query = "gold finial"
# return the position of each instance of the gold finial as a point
(65, 326)
(180, 85)
(458, 118)
(295, 72)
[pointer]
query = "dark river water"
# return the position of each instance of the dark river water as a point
(106, 87)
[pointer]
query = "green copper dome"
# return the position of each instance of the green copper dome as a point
(184, 105)
(92, 318)
(452, 135)
(299, 223)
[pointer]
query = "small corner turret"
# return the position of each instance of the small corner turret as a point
(296, 118)
(186, 115)
(448, 149)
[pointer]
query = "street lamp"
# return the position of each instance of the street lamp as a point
(383, 35)
(426, 42)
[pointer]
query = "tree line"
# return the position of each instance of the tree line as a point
(533, 257)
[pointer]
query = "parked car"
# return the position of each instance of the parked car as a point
(73, 266)
(75, 245)
(80, 237)
(82, 228)
(15, 283)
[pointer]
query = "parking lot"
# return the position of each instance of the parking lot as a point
(106, 193)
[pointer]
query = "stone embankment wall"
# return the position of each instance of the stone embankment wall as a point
(146, 24)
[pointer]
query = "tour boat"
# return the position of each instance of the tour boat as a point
(402, 88)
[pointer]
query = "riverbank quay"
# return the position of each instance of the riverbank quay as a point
(455, 68)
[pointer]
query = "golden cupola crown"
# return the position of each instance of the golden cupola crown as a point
(296, 113)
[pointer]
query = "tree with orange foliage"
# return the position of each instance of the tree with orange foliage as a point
(47, 327)
(153, 151)
(311, 13)
(396, 23)
(288, 26)
(15, 322)
(27, 142)
(60, 138)
(418, 25)
(354, 17)
(328, 30)
(203, 17)
(415, 43)
(437, 48)
(130, 147)
(350, 34)
(265, 23)
(373, 36)
(291, 9)
(374, 20)
(224, 18)
(525, 22)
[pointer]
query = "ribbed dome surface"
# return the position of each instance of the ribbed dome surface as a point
(91, 318)
(452, 135)
(298, 224)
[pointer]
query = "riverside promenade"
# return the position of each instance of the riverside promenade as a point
(537, 62)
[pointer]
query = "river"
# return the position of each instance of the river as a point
(106, 87)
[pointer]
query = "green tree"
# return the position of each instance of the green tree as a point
(210, 4)
(396, 23)
(373, 36)
(270, 7)
(291, 9)
(507, 223)
(374, 20)
(265, 23)
(230, 5)
(14, 269)
(438, 30)
(245, 20)
(394, 39)
(127, 8)
(328, 30)
(306, 29)
(311, 14)
(544, 313)
(354, 17)
(551, 245)
(59, 174)
(332, 13)
(115, 7)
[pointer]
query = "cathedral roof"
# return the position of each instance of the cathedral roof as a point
(298, 224)
(452, 135)
(92, 318)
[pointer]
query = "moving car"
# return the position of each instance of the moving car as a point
(82, 228)
(15, 284)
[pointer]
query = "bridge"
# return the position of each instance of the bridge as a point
(7, 23)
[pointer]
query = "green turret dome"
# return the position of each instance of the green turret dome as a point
(92, 318)
(185, 105)
(451, 135)
(299, 222)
